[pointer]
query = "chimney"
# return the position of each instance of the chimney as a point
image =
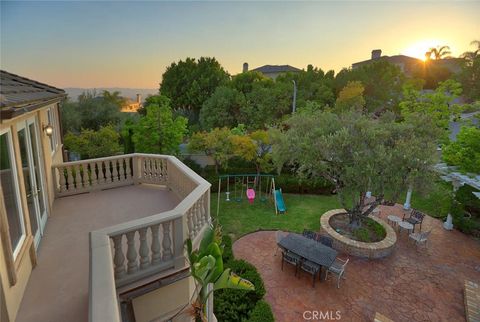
(245, 67)
(139, 98)
(376, 53)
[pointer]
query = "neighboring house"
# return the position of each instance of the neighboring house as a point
(272, 71)
(407, 64)
(131, 106)
(113, 247)
(454, 65)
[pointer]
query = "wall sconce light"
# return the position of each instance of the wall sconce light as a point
(48, 129)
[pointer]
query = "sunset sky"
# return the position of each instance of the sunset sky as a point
(120, 44)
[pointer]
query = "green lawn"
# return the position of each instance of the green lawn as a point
(304, 211)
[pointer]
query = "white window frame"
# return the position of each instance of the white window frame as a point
(17, 192)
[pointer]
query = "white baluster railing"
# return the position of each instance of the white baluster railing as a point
(92, 175)
(131, 251)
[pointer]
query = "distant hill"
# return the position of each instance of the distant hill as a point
(131, 93)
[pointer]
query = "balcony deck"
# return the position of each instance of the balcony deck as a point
(58, 289)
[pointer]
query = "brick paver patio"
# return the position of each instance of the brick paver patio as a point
(410, 285)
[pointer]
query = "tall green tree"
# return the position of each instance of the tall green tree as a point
(216, 144)
(190, 83)
(266, 104)
(439, 52)
(244, 82)
(223, 108)
(465, 151)
(263, 153)
(312, 85)
(437, 105)
(358, 154)
(92, 144)
(351, 98)
(159, 131)
(470, 74)
(114, 97)
(383, 83)
(70, 117)
(470, 56)
(96, 112)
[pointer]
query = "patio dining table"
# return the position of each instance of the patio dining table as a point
(309, 249)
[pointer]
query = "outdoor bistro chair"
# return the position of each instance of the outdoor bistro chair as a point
(415, 218)
(278, 236)
(291, 258)
(311, 268)
(420, 238)
(327, 241)
(337, 268)
(309, 234)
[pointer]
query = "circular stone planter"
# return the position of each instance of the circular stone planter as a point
(356, 248)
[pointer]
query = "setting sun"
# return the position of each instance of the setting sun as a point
(419, 49)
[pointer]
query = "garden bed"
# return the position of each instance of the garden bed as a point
(347, 245)
(369, 232)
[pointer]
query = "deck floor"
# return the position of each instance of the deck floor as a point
(58, 286)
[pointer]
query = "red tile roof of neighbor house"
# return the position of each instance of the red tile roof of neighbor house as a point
(19, 94)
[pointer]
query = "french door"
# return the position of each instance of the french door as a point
(34, 178)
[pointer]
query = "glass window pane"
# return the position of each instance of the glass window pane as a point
(7, 174)
(22, 141)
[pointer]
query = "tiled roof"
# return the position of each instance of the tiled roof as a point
(266, 69)
(18, 92)
(392, 59)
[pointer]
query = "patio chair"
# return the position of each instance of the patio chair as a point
(291, 258)
(309, 234)
(420, 238)
(278, 236)
(415, 218)
(311, 268)
(338, 268)
(325, 240)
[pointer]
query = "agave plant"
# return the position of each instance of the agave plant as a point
(206, 267)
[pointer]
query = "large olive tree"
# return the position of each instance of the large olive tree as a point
(359, 154)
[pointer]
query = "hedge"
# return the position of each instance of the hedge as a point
(235, 305)
(262, 312)
(227, 255)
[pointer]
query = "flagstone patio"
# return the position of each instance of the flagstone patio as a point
(412, 284)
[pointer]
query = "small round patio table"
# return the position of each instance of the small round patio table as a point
(404, 225)
(393, 220)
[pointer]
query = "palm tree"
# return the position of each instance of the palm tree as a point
(438, 52)
(113, 97)
(470, 56)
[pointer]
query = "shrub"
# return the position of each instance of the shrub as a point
(262, 312)
(466, 225)
(227, 249)
(362, 234)
(376, 228)
(249, 272)
(469, 201)
(236, 305)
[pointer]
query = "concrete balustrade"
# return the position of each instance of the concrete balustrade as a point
(131, 251)
(72, 178)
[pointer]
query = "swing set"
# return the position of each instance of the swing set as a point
(252, 186)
